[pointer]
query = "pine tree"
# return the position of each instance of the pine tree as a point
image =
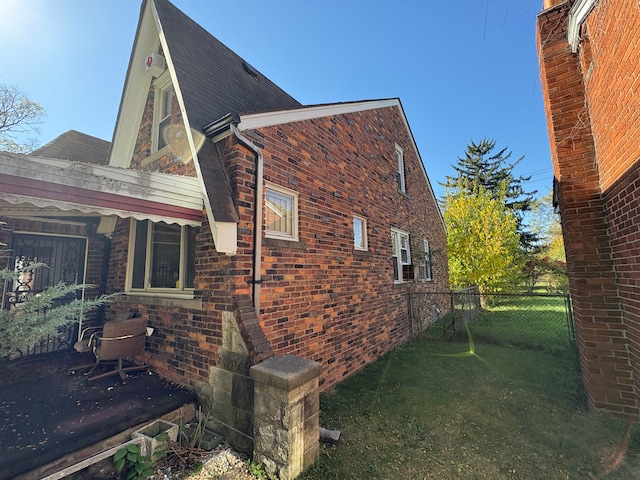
(492, 171)
(39, 315)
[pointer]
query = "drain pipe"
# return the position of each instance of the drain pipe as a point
(257, 232)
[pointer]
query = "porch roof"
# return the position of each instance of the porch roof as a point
(62, 187)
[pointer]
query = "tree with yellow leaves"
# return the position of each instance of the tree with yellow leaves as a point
(483, 243)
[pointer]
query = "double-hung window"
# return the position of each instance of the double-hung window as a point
(401, 256)
(400, 168)
(424, 270)
(359, 233)
(162, 113)
(281, 212)
(161, 256)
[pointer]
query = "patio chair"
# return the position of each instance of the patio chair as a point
(119, 339)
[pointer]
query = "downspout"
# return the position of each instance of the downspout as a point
(257, 224)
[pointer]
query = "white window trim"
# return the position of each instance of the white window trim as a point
(427, 261)
(294, 214)
(179, 292)
(365, 244)
(161, 84)
(397, 235)
(402, 186)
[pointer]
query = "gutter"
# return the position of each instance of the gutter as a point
(225, 127)
(577, 15)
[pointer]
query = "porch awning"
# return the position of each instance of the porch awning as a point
(53, 185)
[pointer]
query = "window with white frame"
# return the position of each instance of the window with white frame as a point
(400, 165)
(161, 256)
(359, 233)
(281, 212)
(424, 270)
(162, 113)
(401, 256)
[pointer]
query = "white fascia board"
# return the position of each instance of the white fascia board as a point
(577, 15)
(268, 119)
(225, 237)
(134, 92)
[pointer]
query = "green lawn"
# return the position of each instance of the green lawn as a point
(530, 321)
(429, 410)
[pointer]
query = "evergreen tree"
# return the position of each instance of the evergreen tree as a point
(40, 315)
(481, 166)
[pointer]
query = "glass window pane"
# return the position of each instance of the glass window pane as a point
(140, 254)
(191, 258)
(359, 228)
(404, 249)
(279, 212)
(165, 258)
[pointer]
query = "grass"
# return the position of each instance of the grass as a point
(531, 321)
(425, 412)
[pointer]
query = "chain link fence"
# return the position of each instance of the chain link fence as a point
(531, 320)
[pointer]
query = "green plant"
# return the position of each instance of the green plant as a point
(36, 316)
(257, 469)
(138, 465)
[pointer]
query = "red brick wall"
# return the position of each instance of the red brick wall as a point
(612, 80)
(321, 299)
(582, 100)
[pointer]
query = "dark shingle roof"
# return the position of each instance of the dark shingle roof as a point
(214, 81)
(77, 147)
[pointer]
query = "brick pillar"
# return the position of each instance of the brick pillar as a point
(286, 414)
(600, 326)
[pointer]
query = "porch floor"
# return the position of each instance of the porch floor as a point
(46, 413)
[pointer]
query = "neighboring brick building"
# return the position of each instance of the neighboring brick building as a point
(589, 54)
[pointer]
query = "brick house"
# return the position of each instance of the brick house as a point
(242, 223)
(589, 54)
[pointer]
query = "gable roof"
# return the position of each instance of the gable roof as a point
(213, 87)
(77, 147)
(214, 80)
(266, 119)
(210, 81)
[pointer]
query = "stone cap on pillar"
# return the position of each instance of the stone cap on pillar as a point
(285, 372)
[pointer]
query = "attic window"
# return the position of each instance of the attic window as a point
(162, 112)
(249, 69)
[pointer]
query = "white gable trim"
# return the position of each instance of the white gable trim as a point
(577, 15)
(134, 97)
(268, 119)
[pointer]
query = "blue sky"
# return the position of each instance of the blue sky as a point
(463, 69)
